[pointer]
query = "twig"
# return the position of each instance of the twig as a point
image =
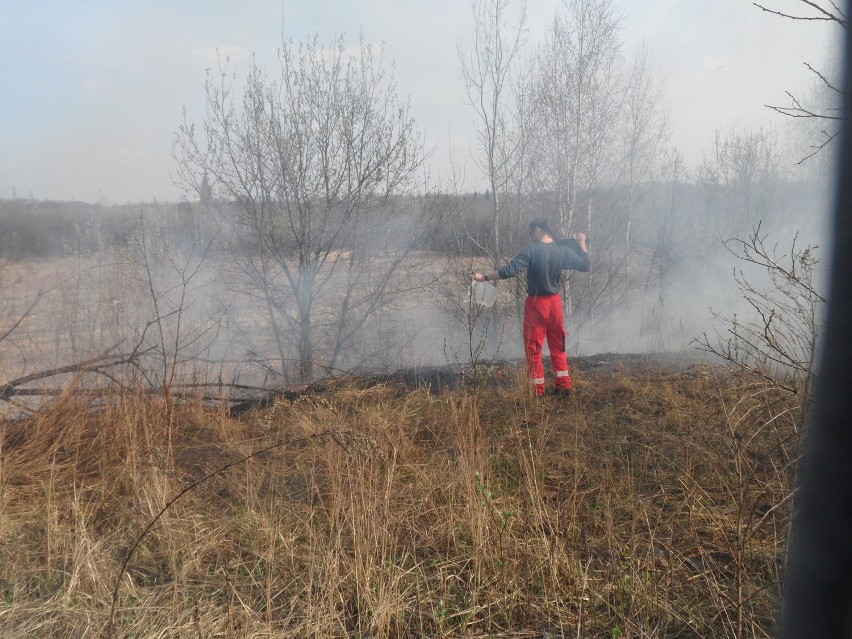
(23, 316)
(826, 16)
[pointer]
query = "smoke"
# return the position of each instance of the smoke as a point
(161, 281)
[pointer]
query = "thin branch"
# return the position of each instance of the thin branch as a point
(798, 111)
(23, 316)
(824, 79)
(826, 16)
(820, 147)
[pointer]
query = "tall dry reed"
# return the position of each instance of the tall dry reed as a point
(650, 505)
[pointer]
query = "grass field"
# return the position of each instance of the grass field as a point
(653, 503)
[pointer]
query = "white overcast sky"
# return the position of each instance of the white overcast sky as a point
(92, 91)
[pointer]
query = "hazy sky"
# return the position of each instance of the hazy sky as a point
(92, 91)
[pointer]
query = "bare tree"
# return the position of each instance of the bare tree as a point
(778, 342)
(739, 178)
(487, 72)
(488, 67)
(644, 129)
(310, 171)
(825, 111)
(578, 98)
(178, 333)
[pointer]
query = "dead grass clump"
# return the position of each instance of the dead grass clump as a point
(650, 504)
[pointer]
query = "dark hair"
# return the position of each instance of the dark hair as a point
(540, 223)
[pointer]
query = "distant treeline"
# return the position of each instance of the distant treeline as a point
(685, 212)
(49, 229)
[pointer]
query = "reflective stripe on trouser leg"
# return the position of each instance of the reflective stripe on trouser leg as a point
(562, 380)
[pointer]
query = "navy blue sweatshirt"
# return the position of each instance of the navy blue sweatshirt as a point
(544, 262)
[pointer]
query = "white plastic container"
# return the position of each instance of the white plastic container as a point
(483, 293)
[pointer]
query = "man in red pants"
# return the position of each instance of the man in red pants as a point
(544, 260)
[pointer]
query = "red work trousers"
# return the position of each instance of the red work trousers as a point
(543, 318)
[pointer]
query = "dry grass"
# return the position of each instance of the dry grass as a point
(650, 505)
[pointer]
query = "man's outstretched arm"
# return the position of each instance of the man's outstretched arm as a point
(519, 263)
